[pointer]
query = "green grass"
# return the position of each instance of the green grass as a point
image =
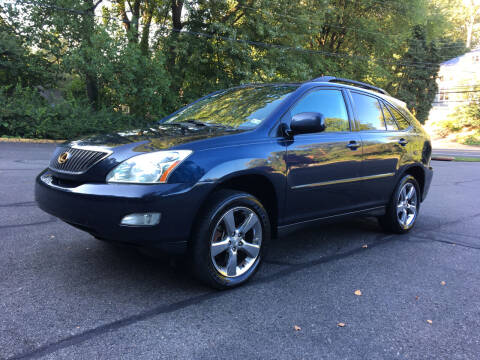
(467, 159)
(19, 139)
(472, 139)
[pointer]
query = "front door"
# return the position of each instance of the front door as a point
(322, 167)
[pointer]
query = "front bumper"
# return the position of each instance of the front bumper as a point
(99, 207)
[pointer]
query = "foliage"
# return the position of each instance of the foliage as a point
(472, 139)
(415, 85)
(463, 18)
(463, 123)
(17, 63)
(27, 114)
(141, 59)
(465, 116)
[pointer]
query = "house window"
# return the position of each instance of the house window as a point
(443, 96)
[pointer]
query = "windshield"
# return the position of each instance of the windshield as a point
(240, 108)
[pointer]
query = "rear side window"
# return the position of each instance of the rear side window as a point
(389, 119)
(369, 112)
(401, 121)
(328, 102)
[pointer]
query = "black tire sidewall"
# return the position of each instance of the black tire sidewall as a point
(221, 203)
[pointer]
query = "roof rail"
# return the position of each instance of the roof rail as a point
(351, 82)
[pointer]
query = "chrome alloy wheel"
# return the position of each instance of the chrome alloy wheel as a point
(236, 241)
(407, 205)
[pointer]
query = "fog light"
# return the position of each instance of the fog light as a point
(141, 219)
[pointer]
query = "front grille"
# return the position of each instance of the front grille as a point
(78, 161)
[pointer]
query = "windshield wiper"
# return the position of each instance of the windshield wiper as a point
(203, 124)
(195, 122)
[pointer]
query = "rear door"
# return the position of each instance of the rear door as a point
(322, 167)
(383, 147)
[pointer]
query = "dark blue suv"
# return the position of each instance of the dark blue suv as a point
(222, 176)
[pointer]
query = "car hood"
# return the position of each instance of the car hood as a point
(158, 137)
(123, 145)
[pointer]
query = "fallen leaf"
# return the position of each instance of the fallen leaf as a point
(365, 246)
(443, 283)
(430, 322)
(358, 293)
(341, 324)
(297, 328)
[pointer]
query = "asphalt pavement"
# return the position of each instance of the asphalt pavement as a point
(65, 295)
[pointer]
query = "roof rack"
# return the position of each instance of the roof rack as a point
(351, 82)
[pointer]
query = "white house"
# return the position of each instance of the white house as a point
(458, 80)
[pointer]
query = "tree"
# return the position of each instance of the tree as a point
(460, 19)
(17, 64)
(416, 83)
(148, 57)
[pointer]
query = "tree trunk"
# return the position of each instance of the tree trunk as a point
(123, 14)
(474, 10)
(177, 7)
(135, 21)
(130, 25)
(90, 77)
(92, 90)
(147, 20)
(470, 24)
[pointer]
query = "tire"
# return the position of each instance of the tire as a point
(401, 220)
(214, 264)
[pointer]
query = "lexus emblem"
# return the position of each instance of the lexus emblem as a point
(62, 159)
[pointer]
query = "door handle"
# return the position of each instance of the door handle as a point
(403, 142)
(353, 145)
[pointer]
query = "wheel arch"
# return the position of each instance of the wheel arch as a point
(418, 172)
(258, 185)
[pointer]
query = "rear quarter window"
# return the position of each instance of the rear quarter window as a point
(402, 122)
(389, 119)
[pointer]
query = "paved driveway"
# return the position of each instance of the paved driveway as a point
(66, 295)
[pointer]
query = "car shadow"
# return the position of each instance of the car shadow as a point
(154, 271)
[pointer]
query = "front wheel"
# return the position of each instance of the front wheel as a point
(230, 239)
(403, 208)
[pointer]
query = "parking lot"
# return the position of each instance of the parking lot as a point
(66, 295)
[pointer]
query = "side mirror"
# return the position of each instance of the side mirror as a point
(307, 122)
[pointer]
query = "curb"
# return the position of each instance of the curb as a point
(443, 158)
(32, 141)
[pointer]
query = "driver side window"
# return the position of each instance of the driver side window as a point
(328, 102)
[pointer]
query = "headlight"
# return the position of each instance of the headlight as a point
(148, 168)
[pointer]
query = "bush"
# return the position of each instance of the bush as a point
(472, 139)
(465, 116)
(25, 113)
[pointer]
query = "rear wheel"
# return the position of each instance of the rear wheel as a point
(230, 239)
(402, 210)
